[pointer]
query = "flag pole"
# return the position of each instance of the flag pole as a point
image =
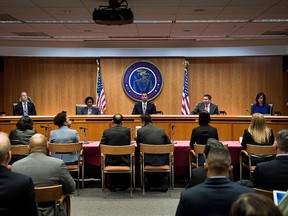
(98, 69)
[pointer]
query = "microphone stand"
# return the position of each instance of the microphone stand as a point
(172, 134)
(85, 133)
(46, 130)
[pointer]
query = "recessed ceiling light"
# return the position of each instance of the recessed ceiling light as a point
(199, 10)
(67, 11)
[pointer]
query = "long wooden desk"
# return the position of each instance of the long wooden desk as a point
(229, 127)
(181, 156)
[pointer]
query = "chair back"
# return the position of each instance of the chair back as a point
(156, 149)
(117, 150)
(266, 193)
(48, 193)
(19, 150)
(79, 107)
(65, 147)
(260, 149)
(198, 148)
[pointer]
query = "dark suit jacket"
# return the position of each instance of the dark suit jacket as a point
(150, 134)
(18, 110)
(202, 133)
(17, 194)
(117, 136)
(150, 109)
(95, 111)
(272, 175)
(201, 107)
(212, 197)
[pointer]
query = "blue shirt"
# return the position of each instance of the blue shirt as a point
(261, 109)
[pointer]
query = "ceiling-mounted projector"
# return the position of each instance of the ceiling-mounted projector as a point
(114, 14)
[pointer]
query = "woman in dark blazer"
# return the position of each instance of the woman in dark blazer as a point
(90, 110)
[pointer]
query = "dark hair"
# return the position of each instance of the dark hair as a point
(207, 95)
(60, 118)
(89, 98)
(253, 204)
(24, 123)
(211, 144)
(146, 118)
(219, 160)
(204, 117)
(259, 95)
(282, 140)
(117, 118)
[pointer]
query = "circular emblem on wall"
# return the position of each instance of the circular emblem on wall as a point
(142, 76)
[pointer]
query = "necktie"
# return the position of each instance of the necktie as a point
(25, 109)
(206, 108)
(144, 108)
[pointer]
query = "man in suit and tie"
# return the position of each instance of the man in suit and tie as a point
(25, 107)
(206, 105)
(149, 134)
(217, 193)
(44, 170)
(144, 107)
(273, 175)
(17, 195)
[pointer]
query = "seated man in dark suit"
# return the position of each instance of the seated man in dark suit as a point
(273, 175)
(117, 135)
(150, 134)
(25, 107)
(217, 193)
(206, 105)
(17, 195)
(144, 107)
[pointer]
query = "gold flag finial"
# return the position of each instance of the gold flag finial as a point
(186, 64)
(98, 64)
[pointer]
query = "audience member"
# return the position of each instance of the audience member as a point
(206, 105)
(64, 135)
(260, 106)
(273, 175)
(217, 193)
(90, 110)
(17, 195)
(117, 135)
(198, 175)
(144, 107)
(25, 106)
(201, 134)
(258, 134)
(253, 204)
(44, 171)
(149, 134)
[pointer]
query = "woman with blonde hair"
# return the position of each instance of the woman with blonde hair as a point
(258, 134)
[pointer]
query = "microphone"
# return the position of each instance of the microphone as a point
(83, 128)
(44, 126)
(172, 134)
(85, 135)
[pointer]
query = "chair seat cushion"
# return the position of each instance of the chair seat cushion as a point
(117, 168)
(164, 167)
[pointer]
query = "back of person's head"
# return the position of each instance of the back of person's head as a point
(259, 95)
(89, 98)
(146, 118)
(117, 118)
(282, 140)
(5, 147)
(218, 161)
(24, 123)
(212, 143)
(38, 143)
(60, 118)
(204, 117)
(253, 204)
(258, 128)
(208, 96)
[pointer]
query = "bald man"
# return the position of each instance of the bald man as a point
(17, 195)
(44, 170)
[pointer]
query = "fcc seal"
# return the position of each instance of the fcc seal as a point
(141, 77)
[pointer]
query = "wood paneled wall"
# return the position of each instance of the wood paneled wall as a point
(57, 84)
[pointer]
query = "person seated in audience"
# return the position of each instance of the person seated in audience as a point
(254, 204)
(260, 106)
(204, 131)
(258, 134)
(45, 171)
(206, 105)
(17, 195)
(149, 134)
(273, 175)
(25, 106)
(115, 136)
(21, 135)
(198, 175)
(64, 135)
(90, 110)
(217, 193)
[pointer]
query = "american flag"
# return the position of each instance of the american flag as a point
(101, 100)
(185, 107)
